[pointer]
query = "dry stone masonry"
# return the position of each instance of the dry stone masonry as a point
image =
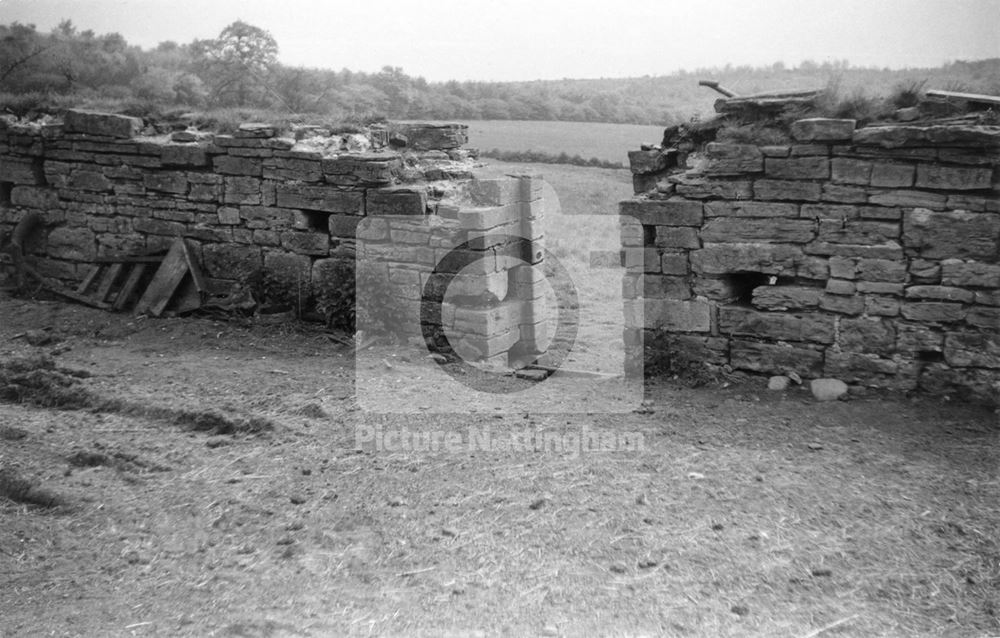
(870, 255)
(294, 210)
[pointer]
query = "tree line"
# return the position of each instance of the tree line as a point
(239, 68)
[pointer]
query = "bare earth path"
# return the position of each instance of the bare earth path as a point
(218, 492)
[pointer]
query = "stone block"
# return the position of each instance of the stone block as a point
(45, 199)
(941, 177)
(289, 168)
(933, 311)
(702, 188)
(86, 180)
(890, 250)
(241, 190)
(855, 367)
(22, 170)
(908, 199)
(886, 270)
(319, 198)
(72, 244)
(159, 227)
(669, 212)
(665, 287)
(940, 293)
(866, 334)
(775, 189)
(267, 217)
(780, 326)
(786, 297)
(228, 216)
(842, 304)
(677, 237)
(102, 124)
(813, 268)
(953, 234)
(880, 288)
(758, 230)
(343, 225)
(972, 349)
(797, 168)
(190, 155)
(857, 232)
(306, 243)
(914, 339)
(166, 182)
(228, 261)
(840, 287)
(230, 165)
(892, 175)
(720, 259)
(985, 318)
(413, 201)
(845, 170)
(955, 272)
(750, 209)
(881, 306)
(820, 129)
(972, 384)
(844, 194)
(645, 162)
(806, 361)
(674, 264)
(733, 159)
(669, 314)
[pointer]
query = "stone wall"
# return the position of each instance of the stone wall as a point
(871, 255)
(256, 203)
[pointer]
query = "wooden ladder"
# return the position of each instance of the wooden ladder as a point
(112, 282)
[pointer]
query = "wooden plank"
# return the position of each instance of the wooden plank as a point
(188, 297)
(192, 263)
(166, 280)
(57, 288)
(969, 97)
(129, 286)
(137, 259)
(89, 279)
(107, 281)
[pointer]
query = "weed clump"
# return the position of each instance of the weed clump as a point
(21, 490)
(35, 380)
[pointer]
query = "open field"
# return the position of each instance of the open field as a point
(609, 142)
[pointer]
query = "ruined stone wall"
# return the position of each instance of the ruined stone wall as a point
(256, 203)
(869, 255)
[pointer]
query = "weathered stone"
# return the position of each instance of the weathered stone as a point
(45, 199)
(166, 182)
(913, 339)
(972, 349)
(813, 268)
(880, 288)
(778, 383)
(786, 297)
(413, 201)
(890, 175)
(701, 188)
(966, 202)
(747, 322)
(954, 135)
(933, 311)
(858, 367)
(665, 287)
(227, 261)
(669, 212)
(844, 194)
(866, 335)
(797, 168)
(267, 217)
(103, 124)
(674, 264)
(844, 170)
(229, 165)
(776, 230)
(719, 259)
(645, 162)
(982, 317)
(733, 159)
(806, 361)
(319, 198)
(750, 209)
(787, 190)
(672, 315)
(908, 198)
(425, 137)
(806, 150)
(89, 181)
(72, 244)
(857, 232)
(840, 287)
(158, 227)
(940, 293)
(17, 170)
(677, 237)
(775, 150)
(830, 212)
(820, 129)
(842, 304)
(890, 250)
(925, 271)
(881, 270)
(881, 306)
(974, 384)
(183, 155)
(827, 389)
(370, 168)
(255, 130)
(306, 243)
(953, 234)
(955, 272)
(937, 176)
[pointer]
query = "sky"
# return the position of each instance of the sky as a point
(505, 40)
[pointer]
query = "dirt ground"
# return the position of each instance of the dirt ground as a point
(209, 484)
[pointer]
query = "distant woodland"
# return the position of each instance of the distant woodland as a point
(239, 69)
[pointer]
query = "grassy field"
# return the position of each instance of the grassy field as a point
(609, 142)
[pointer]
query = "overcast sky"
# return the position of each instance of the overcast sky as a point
(541, 39)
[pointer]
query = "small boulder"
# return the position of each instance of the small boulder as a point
(828, 389)
(778, 383)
